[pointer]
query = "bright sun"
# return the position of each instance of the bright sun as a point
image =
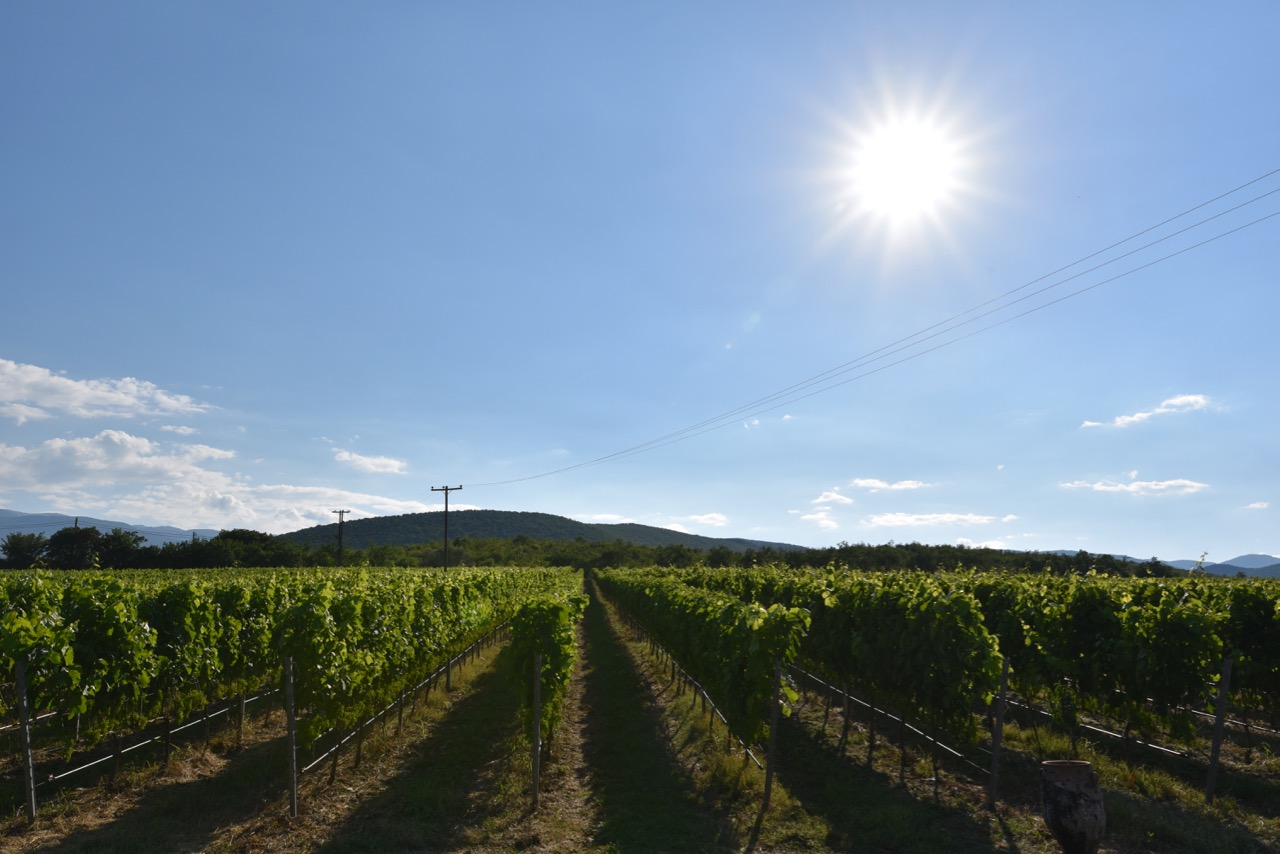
(903, 170)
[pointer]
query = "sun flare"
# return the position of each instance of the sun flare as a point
(903, 170)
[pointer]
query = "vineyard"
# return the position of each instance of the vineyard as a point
(949, 686)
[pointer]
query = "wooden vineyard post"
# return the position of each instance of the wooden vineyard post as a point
(292, 723)
(24, 724)
(770, 756)
(997, 733)
(1219, 722)
(537, 725)
(772, 751)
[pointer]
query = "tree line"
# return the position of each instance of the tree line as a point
(88, 548)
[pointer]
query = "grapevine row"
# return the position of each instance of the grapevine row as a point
(931, 646)
(543, 630)
(111, 650)
(730, 646)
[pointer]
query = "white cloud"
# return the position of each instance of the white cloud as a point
(832, 496)
(922, 520)
(1258, 505)
(30, 392)
(1180, 486)
(751, 422)
(1175, 404)
(715, 520)
(180, 430)
(605, 518)
(822, 518)
(223, 502)
(875, 485)
(21, 413)
(985, 544)
(116, 474)
(676, 526)
(370, 465)
(110, 458)
(1009, 518)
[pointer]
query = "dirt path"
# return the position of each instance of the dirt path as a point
(642, 788)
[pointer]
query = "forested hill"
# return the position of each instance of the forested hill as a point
(416, 528)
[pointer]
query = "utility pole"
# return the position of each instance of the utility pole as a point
(446, 490)
(340, 513)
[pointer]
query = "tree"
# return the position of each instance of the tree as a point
(23, 551)
(74, 548)
(120, 549)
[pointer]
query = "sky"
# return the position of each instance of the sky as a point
(986, 273)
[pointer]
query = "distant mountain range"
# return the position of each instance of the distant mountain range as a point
(1259, 566)
(412, 528)
(48, 523)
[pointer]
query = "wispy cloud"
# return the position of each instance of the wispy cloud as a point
(370, 465)
(1178, 403)
(832, 496)
(1258, 505)
(925, 520)
(821, 517)
(21, 413)
(875, 485)
(30, 392)
(1179, 486)
(714, 520)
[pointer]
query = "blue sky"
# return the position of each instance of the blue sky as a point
(262, 261)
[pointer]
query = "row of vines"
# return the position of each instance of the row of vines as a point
(108, 651)
(1145, 652)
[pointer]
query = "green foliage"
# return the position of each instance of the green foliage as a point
(730, 646)
(930, 645)
(115, 648)
(545, 626)
(24, 551)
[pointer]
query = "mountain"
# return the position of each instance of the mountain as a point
(49, 523)
(1257, 566)
(1253, 561)
(1253, 565)
(1191, 564)
(414, 528)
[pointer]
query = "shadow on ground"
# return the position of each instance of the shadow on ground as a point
(180, 817)
(864, 809)
(643, 797)
(445, 789)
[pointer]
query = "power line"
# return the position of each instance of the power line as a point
(828, 380)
